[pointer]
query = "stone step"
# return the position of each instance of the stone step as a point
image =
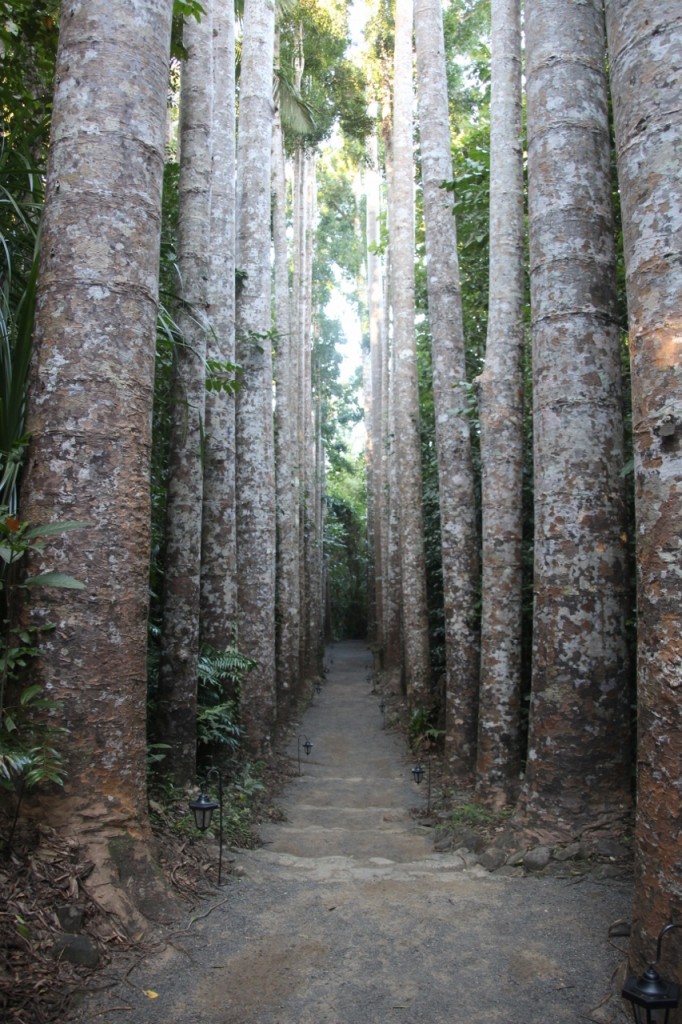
(351, 818)
(349, 793)
(259, 864)
(315, 842)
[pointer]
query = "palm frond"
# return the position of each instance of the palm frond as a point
(296, 114)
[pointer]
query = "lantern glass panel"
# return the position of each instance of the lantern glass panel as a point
(643, 1015)
(202, 817)
(202, 809)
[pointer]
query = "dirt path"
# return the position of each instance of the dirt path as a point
(346, 916)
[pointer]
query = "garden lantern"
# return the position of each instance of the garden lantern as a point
(418, 774)
(307, 746)
(203, 807)
(651, 996)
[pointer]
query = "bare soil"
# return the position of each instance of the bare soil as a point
(346, 914)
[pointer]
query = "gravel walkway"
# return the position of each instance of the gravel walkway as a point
(345, 915)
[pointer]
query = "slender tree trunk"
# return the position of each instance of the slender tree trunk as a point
(317, 605)
(90, 402)
(500, 403)
(392, 628)
(408, 444)
(312, 540)
(286, 440)
(302, 370)
(375, 432)
(256, 530)
(578, 750)
(219, 547)
(370, 475)
(180, 627)
(459, 547)
(645, 46)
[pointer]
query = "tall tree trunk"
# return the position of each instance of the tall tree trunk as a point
(302, 370)
(286, 440)
(408, 443)
(375, 389)
(256, 529)
(180, 627)
(459, 547)
(317, 606)
(500, 403)
(578, 751)
(392, 627)
(219, 546)
(645, 46)
(91, 397)
(371, 523)
(393, 603)
(312, 540)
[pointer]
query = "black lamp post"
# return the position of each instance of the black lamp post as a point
(651, 996)
(203, 808)
(307, 746)
(418, 774)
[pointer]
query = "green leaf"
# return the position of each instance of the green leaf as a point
(55, 579)
(29, 693)
(50, 529)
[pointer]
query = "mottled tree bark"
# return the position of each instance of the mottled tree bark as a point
(180, 626)
(374, 415)
(392, 627)
(312, 538)
(500, 404)
(256, 530)
(286, 442)
(578, 750)
(316, 542)
(370, 516)
(302, 370)
(645, 47)
(90, 402)
(459, 547)
(393, 619)
(219, 545)
(408, 445)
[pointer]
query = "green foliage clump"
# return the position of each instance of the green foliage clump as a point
(345, 541)
(422, 729)
(21, 199)
(332, 90)
(242, 799)
(472, 814)
(28, 41)
(220, 675)
(28, 753)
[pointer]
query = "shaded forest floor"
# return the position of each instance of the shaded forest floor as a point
(44, 897)
(360, 904)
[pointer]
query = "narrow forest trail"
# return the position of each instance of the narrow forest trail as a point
(345, 915)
